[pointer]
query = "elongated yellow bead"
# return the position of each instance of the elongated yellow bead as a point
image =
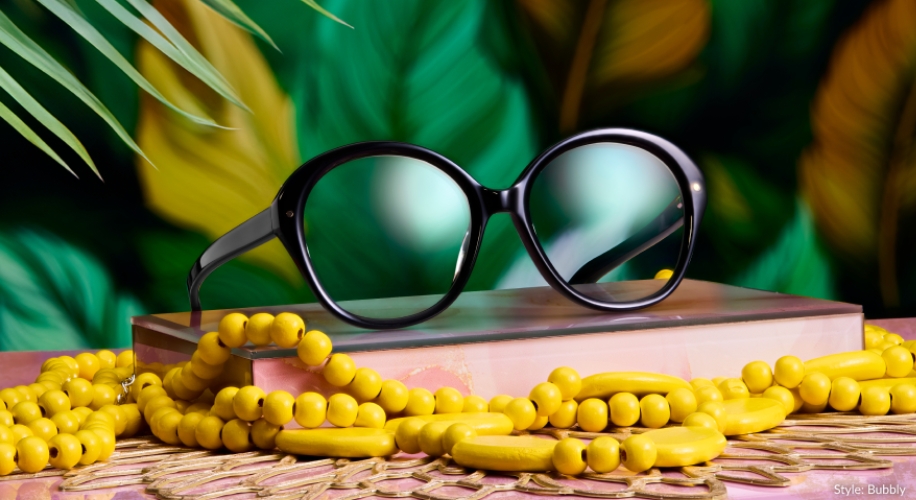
(565, 416)
(654, 411)
(789, 371)
(682, 402)
(624, 409)
(844, 394)
(903, 399)
(568, 457)
(603, 454)
(592, 415)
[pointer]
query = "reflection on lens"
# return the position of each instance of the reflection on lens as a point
(609, 217)
(386, 226)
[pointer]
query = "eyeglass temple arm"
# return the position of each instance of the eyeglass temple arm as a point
(671, 218)
(250, 234)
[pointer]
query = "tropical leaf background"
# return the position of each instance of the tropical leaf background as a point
(181, 119)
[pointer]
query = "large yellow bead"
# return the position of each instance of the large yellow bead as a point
(903, 399)
(187, 429)
(654, 411)
(638, 453)
(455, 434)
(705, 394)
(102, 395)
(287, 330)
(143, 381)
(43, 428)
(211, 349)
(248, 403)
(449, 400)
(264, 434)
(899, 361)
(430, 438)
(392, 397)
(133, 418)
(107, 359)
(258, 329)
(757, 376)
(167, 428)
(26, 412)
(223, 404)
(370, 415)
(91, 446)
(700, 382)
(64, 451)
(231, 329)
(539, 423)
(20, 432)
(603, 454)
(624, 408)
(567, 380)
(342, 410)
(521, 412)
(310, 410)
(7, 459)
(148, 395)
(716, 410)
(546, 397)
(236, 436)
(592, 415)
(475, 404)
(815, 388)
(568, 457)
(208, 432)
(66, 422)
(844, 394)
(33, 454)
(875, 401)
(789, 371)
(125, 358)
(682, 402)
(783, 395)
(419, 402)
(340, 370)
(314, 348)
(893, 338)
(79, 391)
(498, 403)
(407, 435)
(733, 388)
(89, 364)
(204, 370)
(366, 385)
(565, 416)
(700, 419)
(278, 407)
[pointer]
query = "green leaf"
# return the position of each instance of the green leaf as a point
(28, 102)
(313, 4)
(172, 45)
(79, 24)
(795, 264)
(30, 134)
(56, 296)
(17, 41)
(232, 12)
(417, 72)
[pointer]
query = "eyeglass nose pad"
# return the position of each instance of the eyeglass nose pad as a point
(462, 253)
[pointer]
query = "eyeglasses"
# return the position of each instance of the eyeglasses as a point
(598, 214)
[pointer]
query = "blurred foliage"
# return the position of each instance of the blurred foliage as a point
(800, 113)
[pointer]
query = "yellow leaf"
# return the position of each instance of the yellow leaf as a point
(859, 174)
(595, 48)
(212, 180)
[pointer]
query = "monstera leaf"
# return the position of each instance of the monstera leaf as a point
(596, 51)
(859, 174)
(208, 179)
(56, 296)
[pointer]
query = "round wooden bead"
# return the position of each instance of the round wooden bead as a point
(789, 371)
(903, 399)
(603, 454)
(733, 388)
(565, 416)
(475, 404)
(258, 329)
(393, 396)
(875, 401)
(815, 388)
(340, 370)
(546, 397)
(455, 434)
(700, 419)
(314, 348)
(231, 329)
(419, 402)
(370, 415)
(716, 410)
(757, 376)
(844, 394)
(654, 411)
(366, 384)
(899, 361)
(624, 408)
(498, 403)
(567, 380)
(342, 410)
(449, 400)
(783, 395)
(682, 402)
(705, 394)
(278, 407)
(638, 453)
(568, 456)
(310, 410)
(522, 413)
(592, 415)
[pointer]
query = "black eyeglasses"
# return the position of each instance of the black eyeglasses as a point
(599, 214)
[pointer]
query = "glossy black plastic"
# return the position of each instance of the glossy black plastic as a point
(284, 219)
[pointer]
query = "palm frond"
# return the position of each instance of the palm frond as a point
(229, 10)
(27, 132)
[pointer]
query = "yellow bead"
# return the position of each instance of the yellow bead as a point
(844, 394)
(222, 405)
(789, 371)
(899, 361)
(89, 364)
(120, 417)
(64, 451)
(278, 407)
(475, 404)
(392, 397)
(72, 365)
(258, 329)
(624, 409)
(33, 454)
(6, 418)
(567, 380)
(342, 410)
(565, 416)
(654, 411)
(79, 391)
(102, 395)
(498, 403)
(873, 338)
(783, 395)
(419, 402)
(407, 435)
(125, 358)
(366, 385)
(106, 443)
(182, 391)
(340, 370)
(314, 348)
(27, 393)
(733, 388)
(700, 419)
(148, 394)
(287, 330)
(187, 429)
(682, 402)
(104, 419)
(455, 434)
(134, 420)
(430, 439)
(190, 380)
(638, 453)
(592, 415)
(82, 413)
(231, 329)
(264, 434)
(204, 370)
(664, 274)
(248, 403)
(603, 454)
(26, 412)
(211, 349)
(893, 338)
(718, 380)
(91, 447)
(208, 432)
(142, 382)
(66, 421)
(705, 394)
(20, 432)
(107, 359)
(757, 376)
(521, 412)
(568, 457)
(37, 388)
(167, 428)
(875, 401)
(7, 459)
(716, 410)
(370, 415)
(155, 404)
(310, 410)
(699, 382)
(546, 397)
(448, 400)
(201, 407)
(43, 428)
(539, 423)
(815, 388)
(236, 436)
(903, 399)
